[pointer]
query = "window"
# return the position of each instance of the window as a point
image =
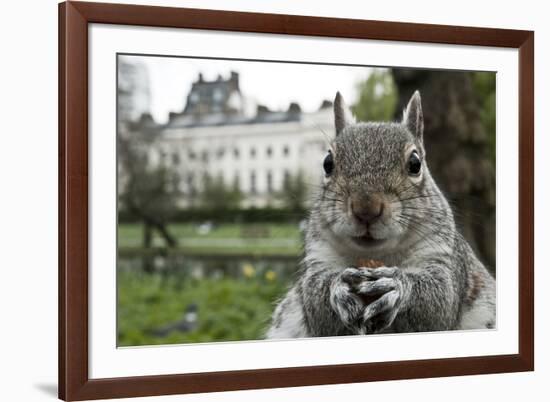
(269, 152)
(253, 182)
(220, 180)
(253, 152)
(286, 150)
(205, 156)
(269, 182)
(221, 153)
(191, 184)
(182, 186)
(218, 95)
(192, 155)
(237, 182)
(286, 179)
(206, 180)
(175, 158)
(236, 153)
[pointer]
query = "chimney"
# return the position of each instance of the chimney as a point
(325, 104)
(262, 109)
(294, 108)
(234, 79)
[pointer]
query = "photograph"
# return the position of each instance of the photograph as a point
(265, 200)
(255, 199)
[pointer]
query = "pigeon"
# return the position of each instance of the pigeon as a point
(188, 322)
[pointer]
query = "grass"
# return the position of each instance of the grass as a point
(248, 251)
(229, 309)
(225, 239)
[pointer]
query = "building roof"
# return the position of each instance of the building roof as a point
(220, 102)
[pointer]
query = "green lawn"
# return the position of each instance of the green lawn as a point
(229, 309)
(234, 306)
(223, 239)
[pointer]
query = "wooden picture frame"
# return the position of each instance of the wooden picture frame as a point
(74, 381)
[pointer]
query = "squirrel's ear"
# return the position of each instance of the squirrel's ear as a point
(412, 117)
(342, 114)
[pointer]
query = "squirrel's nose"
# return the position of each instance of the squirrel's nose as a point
(367, 209)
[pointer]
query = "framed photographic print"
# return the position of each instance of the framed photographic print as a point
(260, 200)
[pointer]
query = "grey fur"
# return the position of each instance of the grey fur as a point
(431, 281)
(342, 114)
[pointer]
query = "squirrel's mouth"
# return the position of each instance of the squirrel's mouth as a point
(367, 240)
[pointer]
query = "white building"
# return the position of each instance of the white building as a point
(215, 137)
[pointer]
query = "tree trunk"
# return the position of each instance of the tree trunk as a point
(147, 235)
(457, 150)
(161, 227)
(170, 240)
(149, 225)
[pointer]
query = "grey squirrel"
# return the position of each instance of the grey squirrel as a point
(379, 201)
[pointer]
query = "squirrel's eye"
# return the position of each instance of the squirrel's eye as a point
(328, 163)
(414, 164)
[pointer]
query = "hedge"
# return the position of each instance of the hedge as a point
(250, 215)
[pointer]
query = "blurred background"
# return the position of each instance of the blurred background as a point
(218, 161)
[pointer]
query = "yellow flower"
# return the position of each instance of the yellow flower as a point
(270, 275)
(248, 270)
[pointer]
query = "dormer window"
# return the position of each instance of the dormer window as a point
(217, 95)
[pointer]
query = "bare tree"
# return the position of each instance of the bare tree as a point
(148, 193)
(294, 192)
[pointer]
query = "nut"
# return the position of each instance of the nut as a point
(369, 263)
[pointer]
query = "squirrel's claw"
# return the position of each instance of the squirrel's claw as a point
(380, 314)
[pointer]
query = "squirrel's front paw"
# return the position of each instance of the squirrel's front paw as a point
(387, 286)
(345, 301)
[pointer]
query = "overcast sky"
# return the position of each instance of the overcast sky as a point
(272, 84)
